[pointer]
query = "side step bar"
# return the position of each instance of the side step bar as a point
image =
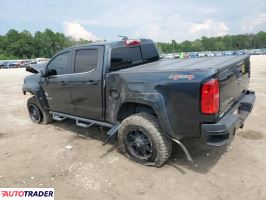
(85, 123)
(58, 118)
(80, 121)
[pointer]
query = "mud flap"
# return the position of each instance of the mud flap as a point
(112, 132)
(184, 149)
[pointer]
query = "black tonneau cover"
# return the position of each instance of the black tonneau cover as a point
(216, 63)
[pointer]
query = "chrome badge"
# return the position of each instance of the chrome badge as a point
(181, 76)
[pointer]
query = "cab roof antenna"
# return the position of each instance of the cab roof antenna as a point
(123, 37)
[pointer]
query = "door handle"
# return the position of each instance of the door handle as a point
(64, 82)
(92, 82)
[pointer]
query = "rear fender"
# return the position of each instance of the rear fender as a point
(156, 102)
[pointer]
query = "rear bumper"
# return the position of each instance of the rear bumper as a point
(222, 132)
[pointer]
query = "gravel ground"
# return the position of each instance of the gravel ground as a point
(74, 162)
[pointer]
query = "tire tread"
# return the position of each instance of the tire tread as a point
(163, 143)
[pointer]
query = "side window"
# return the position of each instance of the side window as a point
(60, 63)
(86, 60)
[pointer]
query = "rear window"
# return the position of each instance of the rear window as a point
(149, 52)
(86, 60)
(125, 56)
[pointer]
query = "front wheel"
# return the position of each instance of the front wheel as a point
(37, 113)
(141, 139)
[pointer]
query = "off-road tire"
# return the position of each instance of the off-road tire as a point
(46, 117)
(161, 144)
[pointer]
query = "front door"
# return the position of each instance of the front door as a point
(56, 86)
(85, 83)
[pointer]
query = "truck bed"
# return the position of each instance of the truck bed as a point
(216, 63)
(233, 73)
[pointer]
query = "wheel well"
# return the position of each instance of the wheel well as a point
(25, 92)
(128, 109)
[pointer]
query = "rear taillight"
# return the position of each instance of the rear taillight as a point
(210, 97)
(132, 42)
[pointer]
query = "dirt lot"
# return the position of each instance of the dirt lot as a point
(34, 155)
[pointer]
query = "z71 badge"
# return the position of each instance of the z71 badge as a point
(181, 76)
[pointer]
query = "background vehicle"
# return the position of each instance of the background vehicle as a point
(239, 52)
(24, 63)
(209, 54)
(41, 60)
(124, 86)
(201, 54)
(169, 56)
(257, 52)
(3, 63)
(176, 55)
(14, 64)
(32, 63)
(8, 64)
(193, 54)
(228, 53)
(218, 53)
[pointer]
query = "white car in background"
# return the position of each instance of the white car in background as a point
(201, 54)
(41, 60)
(228, 53)
(218, 53)
(209, 54)
(169, 56)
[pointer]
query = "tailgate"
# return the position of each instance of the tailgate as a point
(234, 82)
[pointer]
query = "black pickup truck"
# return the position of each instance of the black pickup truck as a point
(150, 102)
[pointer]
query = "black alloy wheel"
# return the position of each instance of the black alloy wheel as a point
(35, 113)
(139, 144)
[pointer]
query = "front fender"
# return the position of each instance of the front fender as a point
(32, 85)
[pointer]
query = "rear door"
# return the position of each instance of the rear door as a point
(86, 83)
(56, 87)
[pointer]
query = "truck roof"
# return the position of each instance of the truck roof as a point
(126, 53)
(113, 44)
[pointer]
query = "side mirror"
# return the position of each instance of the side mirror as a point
(51, 72)
(31, 69)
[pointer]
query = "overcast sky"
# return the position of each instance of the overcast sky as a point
(160, 20)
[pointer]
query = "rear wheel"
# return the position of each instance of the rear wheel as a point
(141, 139)
(37, 114)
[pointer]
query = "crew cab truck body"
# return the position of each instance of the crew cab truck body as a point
(151, 102)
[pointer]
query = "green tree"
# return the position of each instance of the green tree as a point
(23, 44)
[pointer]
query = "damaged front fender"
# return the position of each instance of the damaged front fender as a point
(31, 85)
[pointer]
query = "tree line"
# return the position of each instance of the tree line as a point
(223, 43)
(24, 45)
